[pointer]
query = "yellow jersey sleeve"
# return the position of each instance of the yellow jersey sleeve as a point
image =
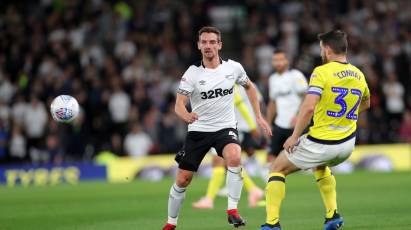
(366, 94)
(317, 82)
(317, 78)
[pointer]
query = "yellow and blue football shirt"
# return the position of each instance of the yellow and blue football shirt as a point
(341, 87)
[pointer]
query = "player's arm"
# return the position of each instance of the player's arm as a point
(271, 111)
(252, 95)
(364, 105)
(305, 114)
(365, 100)
(311, 99)
(181, 110)
(303, 119)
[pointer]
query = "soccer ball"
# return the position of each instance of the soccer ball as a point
(64, 108)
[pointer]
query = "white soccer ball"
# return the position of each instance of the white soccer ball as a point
(64, 108)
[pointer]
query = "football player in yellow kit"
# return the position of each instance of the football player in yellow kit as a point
(337, 93)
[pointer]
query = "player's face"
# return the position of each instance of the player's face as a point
(209, 45)
(323, 51)
(280, 62)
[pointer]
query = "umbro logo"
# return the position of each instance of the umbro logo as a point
(233, 135)
(202, 82)
(181, 153)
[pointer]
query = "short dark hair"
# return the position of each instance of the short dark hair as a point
(336, 40)
(210, 29)
(278, 51)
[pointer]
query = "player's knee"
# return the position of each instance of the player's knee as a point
(283, 169)
(183, 181)
(234, 163)
(232, 155)
(233, 159)
(276, 168)
(279, 167)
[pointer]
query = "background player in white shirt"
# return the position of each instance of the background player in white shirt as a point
(286, 90)
(209, 86)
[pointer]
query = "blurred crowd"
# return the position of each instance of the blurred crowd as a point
(122, 60)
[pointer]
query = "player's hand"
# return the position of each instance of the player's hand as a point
(290, 143)
(265, 126)
(191, 117)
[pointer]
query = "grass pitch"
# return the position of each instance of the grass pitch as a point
(366, 201)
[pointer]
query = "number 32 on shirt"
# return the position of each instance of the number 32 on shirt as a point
(339, 100)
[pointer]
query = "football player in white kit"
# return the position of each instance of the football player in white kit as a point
(209, 87)
(287, 88)
(248, 136)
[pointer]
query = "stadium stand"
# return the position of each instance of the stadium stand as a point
(122, 60)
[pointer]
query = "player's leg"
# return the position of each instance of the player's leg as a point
(248, 144)
(218, 176)
(327, 186)
(232, 156)
(189, 159)
(176, 197)
(255, 194)
(278, 138)
(275, 190)
(227, 145)
(216, 180)
(234, 182)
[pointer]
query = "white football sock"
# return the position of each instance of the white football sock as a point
(175, 200)
(234, 186)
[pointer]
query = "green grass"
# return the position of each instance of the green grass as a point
(366, 200)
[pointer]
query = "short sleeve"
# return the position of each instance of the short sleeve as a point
(186, 86)
(300, 85)
(366, 95)
(242, 77)
(317, 83)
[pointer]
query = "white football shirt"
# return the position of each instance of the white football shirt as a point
(286, 90)
(211, 94)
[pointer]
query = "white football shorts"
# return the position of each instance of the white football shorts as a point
(309, 154)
